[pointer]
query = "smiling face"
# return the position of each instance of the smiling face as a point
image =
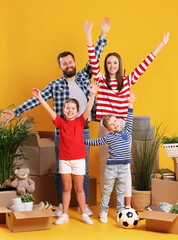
(112, 65)
(68, 66)
(70, 110)
(113, 124)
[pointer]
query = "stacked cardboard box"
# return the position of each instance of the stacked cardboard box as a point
(41, 154)
(176, 167)
(45, 190)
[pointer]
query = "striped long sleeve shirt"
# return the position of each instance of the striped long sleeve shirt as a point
(110, 101)
(119, 143)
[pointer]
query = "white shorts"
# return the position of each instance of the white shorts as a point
(76, 167)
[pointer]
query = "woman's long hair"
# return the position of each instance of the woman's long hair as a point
(119, 74)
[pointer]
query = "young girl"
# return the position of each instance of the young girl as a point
(72, 151)
(113, 92)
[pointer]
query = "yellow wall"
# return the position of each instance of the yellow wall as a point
(33, 32)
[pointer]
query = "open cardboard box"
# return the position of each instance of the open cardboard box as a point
(5, 201)
(40, 152)
(27, 221)
(161, 221)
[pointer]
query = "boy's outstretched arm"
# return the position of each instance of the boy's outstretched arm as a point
(37, 94)
(162, 44)
(93, 91)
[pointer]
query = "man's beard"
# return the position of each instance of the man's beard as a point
(70, 74)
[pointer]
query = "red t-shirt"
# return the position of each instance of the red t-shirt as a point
(71, 141)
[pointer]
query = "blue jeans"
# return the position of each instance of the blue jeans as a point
(57, 176)
(118, 173)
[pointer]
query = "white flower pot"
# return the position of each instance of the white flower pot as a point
(28, 206)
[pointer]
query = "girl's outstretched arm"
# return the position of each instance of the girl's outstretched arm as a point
(37, 94)
(162, 44)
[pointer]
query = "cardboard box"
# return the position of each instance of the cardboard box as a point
(45, 190)
(164, 191)
(6, 196)
(40, 152)
(28, 221)
(161, 221)
(5, 201)
(176, 167)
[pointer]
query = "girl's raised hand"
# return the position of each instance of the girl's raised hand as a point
(105, 27)
(94, 88)
(87, 26)
(165, 38)
(36, 92)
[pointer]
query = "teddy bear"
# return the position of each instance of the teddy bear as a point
(23, 183)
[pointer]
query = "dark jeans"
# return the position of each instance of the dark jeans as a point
(57, 176)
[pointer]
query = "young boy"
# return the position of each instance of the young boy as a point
(72, 151)
(119, 142)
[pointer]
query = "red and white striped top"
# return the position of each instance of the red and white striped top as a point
(110, 101)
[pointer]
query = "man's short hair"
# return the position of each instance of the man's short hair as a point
(64, 54)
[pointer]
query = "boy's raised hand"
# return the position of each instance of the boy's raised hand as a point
(87, 26)
(132, 97)
(94, 88)
(105, 26)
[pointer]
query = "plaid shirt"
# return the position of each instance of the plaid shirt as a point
(59, 89)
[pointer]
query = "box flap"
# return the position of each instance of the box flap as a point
(41, 139)
(161, 216)
(46, 142)
(34, 214)
(4, 210)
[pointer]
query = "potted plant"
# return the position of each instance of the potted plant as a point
(144, 154)
(27, 200)
(170, 145)
(13, 134)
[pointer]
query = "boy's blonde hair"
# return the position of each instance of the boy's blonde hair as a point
(106, 119)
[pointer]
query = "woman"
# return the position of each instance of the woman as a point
(113, 93)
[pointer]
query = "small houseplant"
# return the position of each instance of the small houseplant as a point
(13, 134)
(27, 200)
(144, 155)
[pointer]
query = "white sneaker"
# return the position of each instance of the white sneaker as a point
(58, 213)
(62, 219)
(127, 207)
(88, 211)
(103, 217)
(86, 219)
(118, 217)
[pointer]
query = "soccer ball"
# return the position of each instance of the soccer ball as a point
(128, 218)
